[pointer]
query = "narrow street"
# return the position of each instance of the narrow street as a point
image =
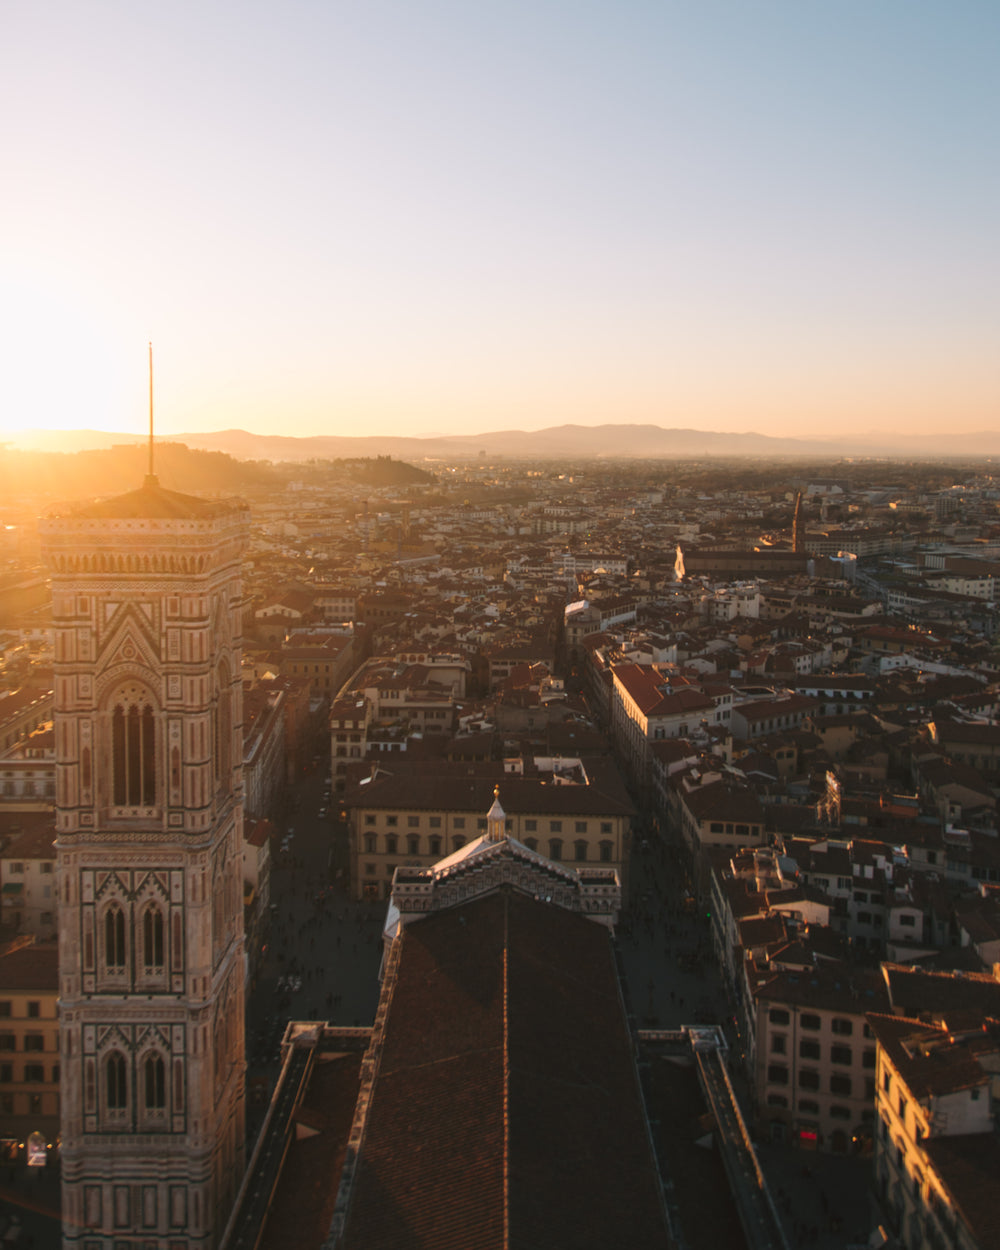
(322, 951)
(665, 946)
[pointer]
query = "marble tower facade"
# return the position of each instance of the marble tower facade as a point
(147, 609)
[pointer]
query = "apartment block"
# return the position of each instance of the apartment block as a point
(27, 871)
(573, 811)
(29, 1051)
(815, 1060)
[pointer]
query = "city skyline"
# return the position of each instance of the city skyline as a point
(392, 221)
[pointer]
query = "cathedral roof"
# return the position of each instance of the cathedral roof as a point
(504, 1048)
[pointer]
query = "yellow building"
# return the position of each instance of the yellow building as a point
(29, 1050)
(413, 814)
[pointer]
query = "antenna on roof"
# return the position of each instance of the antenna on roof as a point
(150, 475)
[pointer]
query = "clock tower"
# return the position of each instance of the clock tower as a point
(147, 605)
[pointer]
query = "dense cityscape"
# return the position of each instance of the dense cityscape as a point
(498, 852)
(507, 756)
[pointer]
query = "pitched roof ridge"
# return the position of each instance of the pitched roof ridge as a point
(481, 848)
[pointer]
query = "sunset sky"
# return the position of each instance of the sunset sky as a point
(389, 217)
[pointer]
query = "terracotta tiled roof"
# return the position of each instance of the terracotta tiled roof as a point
(721, 801)
(468, 787)
(828, 986)
(960, 732)
(33, 843)
(506, 1110)
(17, 700)
(980, 918)
(930, 1060)
(651, 690)
(766, 709)
(913, 991)
(257, 832)
(761, 930)
(33, 967)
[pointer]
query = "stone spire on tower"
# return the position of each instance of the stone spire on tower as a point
(496, 819)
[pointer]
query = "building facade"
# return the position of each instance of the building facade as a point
(814, 1070)
(28, 873)
(571, 811)
(147, 604)
(937, 1150)
(29, 1053)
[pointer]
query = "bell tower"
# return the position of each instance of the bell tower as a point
(147, 604)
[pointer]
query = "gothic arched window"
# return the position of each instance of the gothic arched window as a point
(154, 1082)
(133, 747)
(114, 938)
(152, 938)
(115, 1088)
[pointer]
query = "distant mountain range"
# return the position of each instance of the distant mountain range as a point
(561, 442)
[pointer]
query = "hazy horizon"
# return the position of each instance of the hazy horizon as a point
(416, 221)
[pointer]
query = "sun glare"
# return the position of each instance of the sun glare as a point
(63, 368)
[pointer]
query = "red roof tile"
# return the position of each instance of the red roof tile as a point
(506, 1109)
(32, 967)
